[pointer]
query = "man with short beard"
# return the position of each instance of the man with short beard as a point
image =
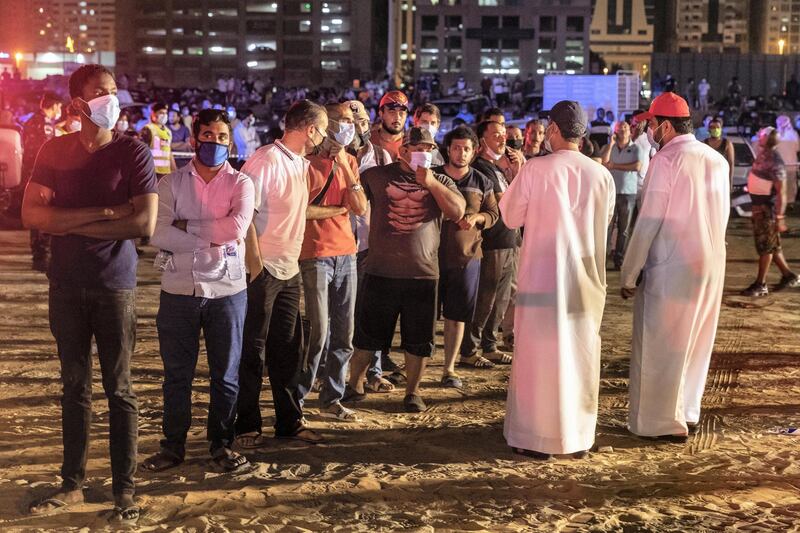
(274, 240)
(393, 112)
(460, 251)
(328, 262)
(429, 117)
(534, 139)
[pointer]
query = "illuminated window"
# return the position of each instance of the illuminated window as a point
(222, 50)
(331, 64)
(305, 25)
(331, 7)
(268, 64)
(195, 50)
(262, 7)
(263, 46)
(429, 63)
(305, 7)
(153, 51)
(337, 44)
(335, 25)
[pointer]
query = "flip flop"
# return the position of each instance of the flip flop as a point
(396, 378)
(53, 504)
(304, 434)
(379, 384)
(476, 361)
(161, 461)
(451, 381)
(413, 403)
(532, 454)
(228, 460)
(250, 441)
(499, 358)
(127, 516)
(352, 395)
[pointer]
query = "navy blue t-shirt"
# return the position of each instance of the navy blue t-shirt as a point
(111, 176)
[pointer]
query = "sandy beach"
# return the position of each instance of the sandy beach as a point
(447, 469)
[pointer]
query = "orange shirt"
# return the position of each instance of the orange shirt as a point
(329, 237)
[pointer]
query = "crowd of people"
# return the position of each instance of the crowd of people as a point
(348, 223)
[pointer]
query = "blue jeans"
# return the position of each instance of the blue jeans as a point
(330, 294)
(180, 320)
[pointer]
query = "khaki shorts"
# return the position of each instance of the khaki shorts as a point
(765, 230)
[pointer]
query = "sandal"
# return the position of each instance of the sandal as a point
(476, 361)
(532, 454)
(499, 358)
(50, 504)
(451, 381)
(304, 434)
(352, 395)
(397, 378)
(163, 460)
(413, 403)
(127, 516)
(379, 384)
(339, 412)
(228, 460)
(250, 441)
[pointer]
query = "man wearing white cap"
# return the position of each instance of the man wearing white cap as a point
(565, 201)
(678, 249)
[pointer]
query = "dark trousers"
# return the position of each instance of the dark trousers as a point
(273, 333)
(623, 222)
(110, 316)
(40, 245)
(498, 268)
(180, 320)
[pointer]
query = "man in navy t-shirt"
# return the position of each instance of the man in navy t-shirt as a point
(94, 191)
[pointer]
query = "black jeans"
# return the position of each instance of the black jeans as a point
(76, 315)
(273, 333)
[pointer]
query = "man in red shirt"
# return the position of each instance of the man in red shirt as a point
(388, 133)
(328, 261)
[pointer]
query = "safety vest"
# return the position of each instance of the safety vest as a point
(160, 147)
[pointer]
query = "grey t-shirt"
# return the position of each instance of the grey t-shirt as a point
(626, 181)
(405, 224)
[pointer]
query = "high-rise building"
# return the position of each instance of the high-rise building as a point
(780, 30)
(711, 26)
(192, 42)
(76, 26)
(622, 33)
(476, 38)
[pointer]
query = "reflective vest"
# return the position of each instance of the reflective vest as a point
(160, 142)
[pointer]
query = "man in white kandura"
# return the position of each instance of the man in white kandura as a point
(565, 201)
(678, 248)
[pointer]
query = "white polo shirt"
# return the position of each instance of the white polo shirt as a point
(281, 198)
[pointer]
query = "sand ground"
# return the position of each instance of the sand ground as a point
(445, 470)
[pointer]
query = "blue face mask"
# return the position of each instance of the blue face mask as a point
(212, 154)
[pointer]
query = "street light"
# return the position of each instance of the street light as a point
(605, 70)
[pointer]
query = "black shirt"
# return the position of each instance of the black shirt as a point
(111, 176)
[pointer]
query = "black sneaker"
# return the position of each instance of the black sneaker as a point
(789, 281)
(756, 290)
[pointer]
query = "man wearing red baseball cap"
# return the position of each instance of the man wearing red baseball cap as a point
(677, 250)
(393, 112)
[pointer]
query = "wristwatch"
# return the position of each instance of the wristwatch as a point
(357, 187)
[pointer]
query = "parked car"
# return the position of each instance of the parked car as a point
(743, 156)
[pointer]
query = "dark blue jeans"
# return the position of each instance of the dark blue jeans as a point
(77, 315)
(180, 320)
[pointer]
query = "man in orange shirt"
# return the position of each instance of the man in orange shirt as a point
(328, 261)
(393, 112)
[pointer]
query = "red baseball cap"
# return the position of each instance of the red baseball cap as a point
(394, 97)
(666, 104)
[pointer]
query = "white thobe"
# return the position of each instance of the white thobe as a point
(788, 146)
(565, 201)
(678, 245)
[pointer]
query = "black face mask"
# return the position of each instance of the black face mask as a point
(514, 144)
(364, 137)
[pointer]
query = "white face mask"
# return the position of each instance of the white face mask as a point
(432, 129)
(163, 119)
(105, 111)
(420, 159)
(652, 139)
(345, 134)
(75, 125)
(122, 126)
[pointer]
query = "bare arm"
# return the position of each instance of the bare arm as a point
(37, 213)
(140, 223)
(356, 200)
(730, 156)
(252, 252)
(635, 167)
